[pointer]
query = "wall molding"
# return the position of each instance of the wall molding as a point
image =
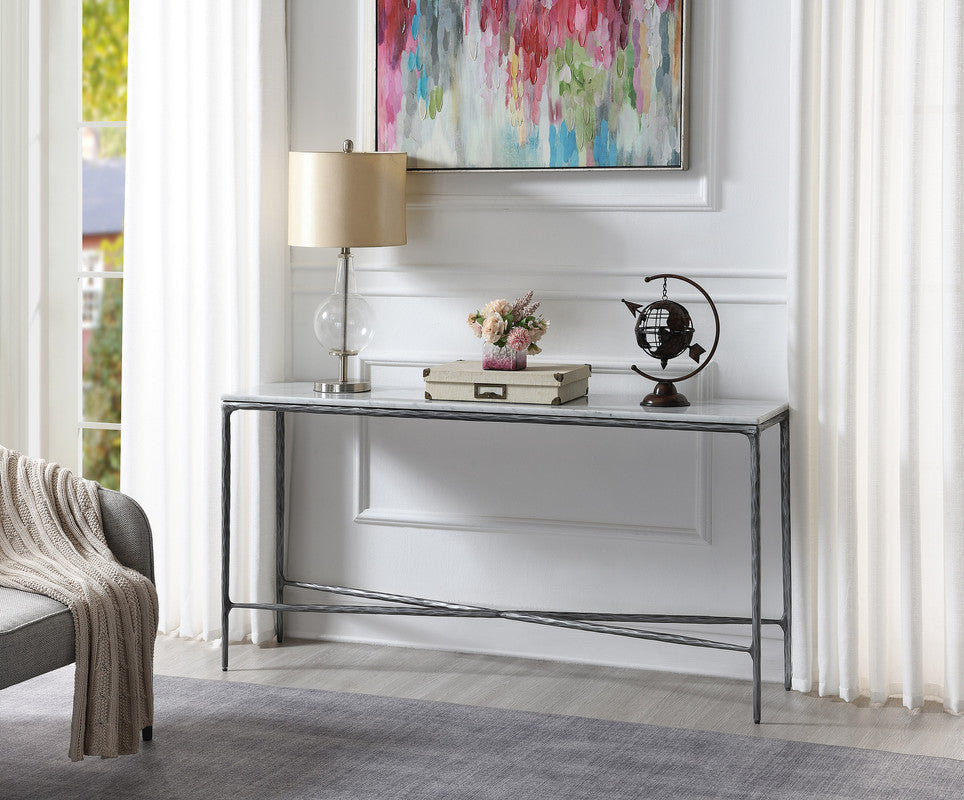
(603, 283)
(315, 259)
(700, 534)
(530, 526)
(768, 633)
(699, 197)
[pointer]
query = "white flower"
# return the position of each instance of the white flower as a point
(500, 307)
(493, 328)
(538, 329)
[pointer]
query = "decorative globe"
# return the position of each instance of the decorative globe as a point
(664, 330)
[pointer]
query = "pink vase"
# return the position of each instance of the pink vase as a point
(504, 358)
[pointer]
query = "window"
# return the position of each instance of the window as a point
(101, 147)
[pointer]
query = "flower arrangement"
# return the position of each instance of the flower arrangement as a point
(512, 325)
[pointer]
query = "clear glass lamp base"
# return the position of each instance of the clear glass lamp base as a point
(343, 325)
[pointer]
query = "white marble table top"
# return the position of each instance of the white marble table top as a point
(593, 406)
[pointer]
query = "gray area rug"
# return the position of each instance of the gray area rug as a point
(215, 739)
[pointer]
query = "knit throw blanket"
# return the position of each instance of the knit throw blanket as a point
(52, 543)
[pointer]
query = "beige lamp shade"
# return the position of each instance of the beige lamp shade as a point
(346, 199)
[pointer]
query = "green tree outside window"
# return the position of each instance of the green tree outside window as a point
(105, 61)
(102, 377)
(104, 99)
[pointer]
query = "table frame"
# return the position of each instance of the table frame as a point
(578, 620)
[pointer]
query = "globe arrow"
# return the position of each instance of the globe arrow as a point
(695, 352)
(633, 307)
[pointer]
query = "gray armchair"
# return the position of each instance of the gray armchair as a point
(36, 632)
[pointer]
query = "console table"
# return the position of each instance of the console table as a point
(749, 418)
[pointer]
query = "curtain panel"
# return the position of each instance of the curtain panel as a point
(15, 78)
(204, 291)
(877, 350)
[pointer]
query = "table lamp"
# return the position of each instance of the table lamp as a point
(345, 200)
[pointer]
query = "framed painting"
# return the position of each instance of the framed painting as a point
(532, 84)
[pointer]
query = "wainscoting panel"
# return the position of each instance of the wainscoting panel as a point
(530, 479)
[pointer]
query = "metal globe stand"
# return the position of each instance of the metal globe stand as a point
(665, 394)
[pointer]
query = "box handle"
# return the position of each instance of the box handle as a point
(491, 391)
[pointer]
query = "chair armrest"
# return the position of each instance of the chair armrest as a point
(127, 531)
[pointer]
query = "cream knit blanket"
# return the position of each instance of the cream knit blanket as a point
(52, 543)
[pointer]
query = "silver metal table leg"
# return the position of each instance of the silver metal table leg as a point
(785, 522)
(279, 619)
(754, 439)
(225, 529)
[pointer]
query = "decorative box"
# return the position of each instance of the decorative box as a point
(546, 384)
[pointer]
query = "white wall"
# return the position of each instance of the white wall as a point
(505, 515)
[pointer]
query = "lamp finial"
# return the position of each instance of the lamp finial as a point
(347, 146)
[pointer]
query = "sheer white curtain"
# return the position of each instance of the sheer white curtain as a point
(877, 350)
(204, 289)
(15, 77)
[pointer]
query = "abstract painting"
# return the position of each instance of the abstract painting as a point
(531, 84)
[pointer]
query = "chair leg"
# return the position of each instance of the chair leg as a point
(148, 733)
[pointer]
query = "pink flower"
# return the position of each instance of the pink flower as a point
(493, 328)
(533, 350)
(538, 329)
(476, 329)
(518, 339)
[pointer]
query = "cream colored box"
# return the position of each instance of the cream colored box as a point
(545, 384)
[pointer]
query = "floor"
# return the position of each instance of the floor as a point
(657, 698)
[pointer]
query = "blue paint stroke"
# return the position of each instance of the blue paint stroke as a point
(604, 150)
(563, 148)
(525, 155)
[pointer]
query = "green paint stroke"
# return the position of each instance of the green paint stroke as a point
(582, 94)
(628, 88)
(435, 101)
